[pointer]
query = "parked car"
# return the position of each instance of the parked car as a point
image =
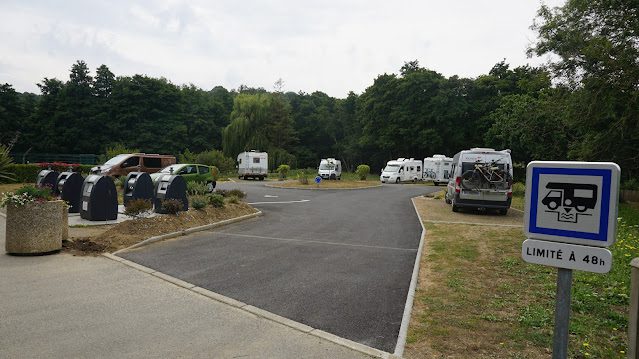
(191, 173)
(481, 178)
(121, 165)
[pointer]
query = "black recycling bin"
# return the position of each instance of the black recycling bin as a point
(170, 187)
(99, 199)
(48, 178)
(138, 185)
(70, 189)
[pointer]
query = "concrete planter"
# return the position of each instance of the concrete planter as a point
(36, 228)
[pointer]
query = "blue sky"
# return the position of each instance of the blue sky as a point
(329, 46)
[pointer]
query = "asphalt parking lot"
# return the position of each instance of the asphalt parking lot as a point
(340, 261)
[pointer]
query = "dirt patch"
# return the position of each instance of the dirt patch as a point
(438, 210)
(325, 184)
(92, 241)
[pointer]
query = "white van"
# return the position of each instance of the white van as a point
(437, 169)
(330, 168)
(402, 170)
(481, 178)
(253, 165)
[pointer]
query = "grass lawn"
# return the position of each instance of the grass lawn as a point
(477, 298)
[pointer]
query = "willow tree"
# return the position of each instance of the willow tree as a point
(260, 122)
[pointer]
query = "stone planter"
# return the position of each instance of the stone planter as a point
(36, 228)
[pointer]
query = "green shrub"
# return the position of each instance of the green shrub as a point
(28, 173)
(519, 189)
(172, 206)
(119, 182)
(362, 171)
(42, 193)
(5, 165)
(196, 188)
(233, 199)
(138, 207)
(283, 171)
(198, 202)
(216, 158)
(237, 193)
(215, 172)
(187, 157)
(222, 192)
(215, 200)
(303, 175)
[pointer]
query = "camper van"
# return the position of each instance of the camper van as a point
(481, 178)
(330, 168)
(402, 170)
(437, 169)
(253, 165)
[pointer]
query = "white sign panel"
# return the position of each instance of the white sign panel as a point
(570, 256)
(572, 202)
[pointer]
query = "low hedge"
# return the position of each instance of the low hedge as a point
(28, 173)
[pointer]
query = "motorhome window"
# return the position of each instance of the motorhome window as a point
(115, 160)
(240, 161)
(203, 169)
(391, 168)
(256, 160)
(131, 162)
(152, 162)
(469, 166)
(326, 166)
(419, 169)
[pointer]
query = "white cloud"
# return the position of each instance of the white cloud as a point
(333, 46)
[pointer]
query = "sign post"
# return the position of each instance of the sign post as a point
(569, 219)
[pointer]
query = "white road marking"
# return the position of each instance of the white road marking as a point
(232, 180)
(317, 242)
(270, 196)
(282, 202)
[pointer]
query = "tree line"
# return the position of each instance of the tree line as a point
(582, 106)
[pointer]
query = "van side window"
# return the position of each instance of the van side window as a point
(240, 162)
(152, 162)
(131, 162)
(256, 160)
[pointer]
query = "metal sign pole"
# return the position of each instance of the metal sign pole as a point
(562, 314)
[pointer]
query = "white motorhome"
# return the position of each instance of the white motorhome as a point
(253, 165)
(481, 178)
(437, 169)
(330, 168)
(402, 170)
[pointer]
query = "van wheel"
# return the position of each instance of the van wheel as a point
(455, 208)
(397, 180)
(503, 211)
(261, 178)
(240, 177)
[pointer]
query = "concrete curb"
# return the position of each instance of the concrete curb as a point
(261, 313)
(322, 189)
(410, 297)
(188, 231)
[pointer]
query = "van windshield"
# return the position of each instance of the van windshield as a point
(391, 168)
(115, 160)
(326, 166)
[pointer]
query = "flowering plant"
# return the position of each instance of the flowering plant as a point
(59, 166)
(25, 195)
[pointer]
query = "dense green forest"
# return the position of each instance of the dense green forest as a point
(582, 106)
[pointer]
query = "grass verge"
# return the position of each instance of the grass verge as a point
(477, 298)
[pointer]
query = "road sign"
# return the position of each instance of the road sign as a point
(572, 202)
(569, 256)
(318, 179)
